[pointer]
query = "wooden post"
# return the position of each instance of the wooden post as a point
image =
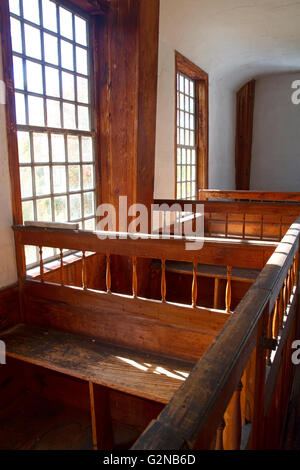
(163, 280)
(228, 290)
(101, 418)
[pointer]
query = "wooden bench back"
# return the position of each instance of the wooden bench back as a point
(259, 220)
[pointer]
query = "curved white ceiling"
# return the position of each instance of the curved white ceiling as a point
(234, 40)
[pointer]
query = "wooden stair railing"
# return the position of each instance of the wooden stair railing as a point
(240, 355)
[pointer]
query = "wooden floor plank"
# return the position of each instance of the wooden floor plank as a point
(145, 375)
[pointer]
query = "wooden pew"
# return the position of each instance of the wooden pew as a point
(103, 366)
(146, 329)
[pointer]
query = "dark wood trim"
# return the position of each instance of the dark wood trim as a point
(12, 143)
(86, 7)
(187, 67)
(244, 132)
(10, 114)
(184, 65)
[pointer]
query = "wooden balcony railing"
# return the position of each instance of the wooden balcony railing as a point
(236, 396)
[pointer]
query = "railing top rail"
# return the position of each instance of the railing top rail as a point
(249, 195)
(197, 407)
(284, 208)
(219, 251)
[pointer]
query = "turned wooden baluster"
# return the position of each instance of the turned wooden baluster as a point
(237, 419)
(163, 280)
(61, 255)
(41, 264)
(276, 320)
(270, 335)
(291, 283)
(219, 439)
(228, 290)
(285, 296)
(84, 271)
(194, 286)
(108, 275)
(296, 269)
(134, 278)
(281, 307)
(292, 279)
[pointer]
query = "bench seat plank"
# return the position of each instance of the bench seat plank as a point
(209, 270)
(140, 374)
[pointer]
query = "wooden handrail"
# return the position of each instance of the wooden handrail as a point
(214, 379)
(237, 207)
(248, 195)
(248, 254)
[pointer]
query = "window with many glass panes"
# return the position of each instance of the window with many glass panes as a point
(186, 167)
(53, 115)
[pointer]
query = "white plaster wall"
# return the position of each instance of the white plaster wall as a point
(276, 135)
(233, 41)
(8, 274)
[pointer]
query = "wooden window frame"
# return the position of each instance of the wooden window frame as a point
(188, 68)
(90, 12)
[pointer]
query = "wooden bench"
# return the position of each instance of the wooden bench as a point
(144, 375)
